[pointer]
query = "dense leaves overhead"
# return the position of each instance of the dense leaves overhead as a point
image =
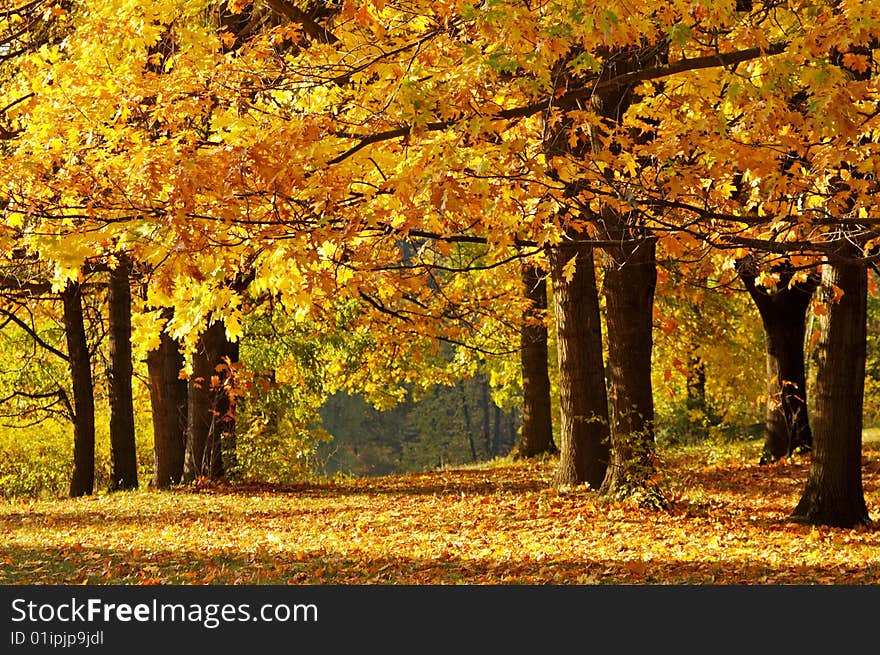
(314, 146)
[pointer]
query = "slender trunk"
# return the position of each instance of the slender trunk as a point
(210, 414)
(82, 481)
(630, 280)
(485, 429)
(229, 442)
(512, 430)
(584, 445)
(537, 424)
(833, 494)
(496, 431)
(123, 452)
(696, 397)
(468, 428)
(168, 398)
(783, 314)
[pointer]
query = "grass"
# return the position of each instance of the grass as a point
(499, 525)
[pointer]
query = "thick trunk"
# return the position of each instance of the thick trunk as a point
(123, 452)
(630, 280)
(82, 481)
(783, 314)
(168, 398)
(833, 494)
(210, 415)
(584, 444)
(537, 423)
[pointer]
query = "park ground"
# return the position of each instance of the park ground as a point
(500, 523)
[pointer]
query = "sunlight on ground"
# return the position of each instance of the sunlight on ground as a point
(494, 525)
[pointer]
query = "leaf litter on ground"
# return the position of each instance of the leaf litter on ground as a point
(501, 524)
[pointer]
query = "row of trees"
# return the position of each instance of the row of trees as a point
(430, 166)
(191, 418)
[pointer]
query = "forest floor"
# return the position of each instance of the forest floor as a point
(500, 523)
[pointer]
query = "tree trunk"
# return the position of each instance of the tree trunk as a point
(512, 429)
(496, 431)
(123, 452)
(584, 444)
(537, 423)
(468, 427)
(210, 415)
(485, 427)
(168, 398)
(783, 314)
(695, 402)
(229, 440)
(630, 280)
(82, 481)
(833, 494)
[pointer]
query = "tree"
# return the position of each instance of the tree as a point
(833, 493)
(123, 453)
(168, 400)
(584, 438)
(537, 421)
(783, 311)
(210, 407)
(630, 280)
(788, 174)
(82, 480)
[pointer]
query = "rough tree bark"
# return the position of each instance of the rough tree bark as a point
(82, 481)
(537, 418)
(630, 280)
(168, 398)
(583, 399)
(630, 270)
(833, 494)
(123, 453)
(210, 414)
(584, 443)
(783, 314)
